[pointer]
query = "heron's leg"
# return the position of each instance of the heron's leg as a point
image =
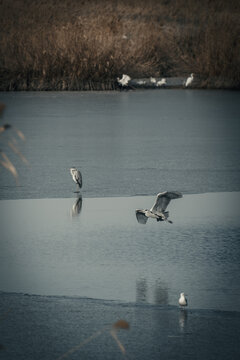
(76, 192)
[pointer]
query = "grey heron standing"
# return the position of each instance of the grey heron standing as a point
(157, 211)
(77, 177)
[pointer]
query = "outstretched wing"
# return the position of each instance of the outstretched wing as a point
(163, 199)
(141, 217)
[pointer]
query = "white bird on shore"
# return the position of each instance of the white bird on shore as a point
(162, 82)
(157, 211)
(141, 82)
(76, 176)
(182, 300)
(153, 80)
(189, 80)
(124, 80)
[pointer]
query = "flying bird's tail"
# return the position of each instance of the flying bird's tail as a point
(165, 217)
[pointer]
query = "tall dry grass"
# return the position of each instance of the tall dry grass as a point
(63, 44)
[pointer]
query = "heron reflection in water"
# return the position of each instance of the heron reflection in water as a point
(77, 206)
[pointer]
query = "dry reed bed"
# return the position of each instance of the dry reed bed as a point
(77, 45)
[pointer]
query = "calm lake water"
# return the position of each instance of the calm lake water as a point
(102, 252)
(127, 145)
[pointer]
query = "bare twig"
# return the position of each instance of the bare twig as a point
(9, 166)
(120, 324)
(17, 151)
(82, 343)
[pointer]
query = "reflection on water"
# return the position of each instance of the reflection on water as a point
(183, 315)
(158, 291)
(190, 142)
(141, 290)
(106, 254)
(77, 206)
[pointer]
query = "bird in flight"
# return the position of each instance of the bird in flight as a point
(77, 177)
(158, 210)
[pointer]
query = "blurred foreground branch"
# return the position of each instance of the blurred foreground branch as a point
(12, 144)
(113, 329)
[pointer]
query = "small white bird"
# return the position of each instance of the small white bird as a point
(182, 300)
(189, 80)
(124, 80)
(157, 211)
(141, 82)
(153, 80)
(77, 176)
(162, 82)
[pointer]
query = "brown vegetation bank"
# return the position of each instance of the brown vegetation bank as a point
(86, 45)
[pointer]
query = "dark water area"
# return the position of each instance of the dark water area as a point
(37, 327)
(125, 143)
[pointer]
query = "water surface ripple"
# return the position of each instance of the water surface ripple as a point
(126, 144)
